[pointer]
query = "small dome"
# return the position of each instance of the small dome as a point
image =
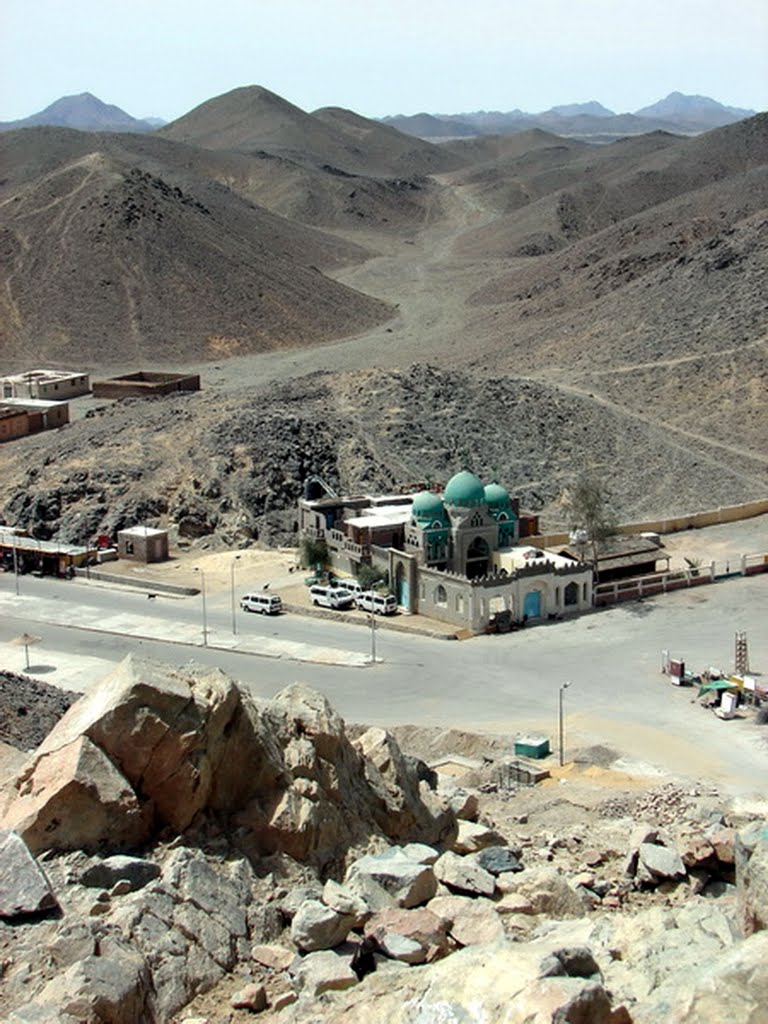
(427, 507)
(465, 489)
(496, 496)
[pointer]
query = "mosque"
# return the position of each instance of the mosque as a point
(459, 555)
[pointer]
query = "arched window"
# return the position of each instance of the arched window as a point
(572, 594)
(441, 596)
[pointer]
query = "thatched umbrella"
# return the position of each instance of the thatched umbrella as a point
(26, 640)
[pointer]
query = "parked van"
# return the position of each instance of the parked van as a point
(330, 597)
(380, 604)
(350, 585)
(266, 604)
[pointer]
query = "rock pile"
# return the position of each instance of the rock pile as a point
(191, 840)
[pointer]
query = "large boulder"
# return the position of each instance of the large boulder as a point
(751, 856)
(731, 987)
(391, 879)
(71, 797)
(156, 747)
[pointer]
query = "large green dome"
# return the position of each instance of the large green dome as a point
(428, 507)
(496, 496)
(465, 489)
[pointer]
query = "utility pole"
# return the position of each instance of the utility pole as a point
(232, 592)
(560, 719)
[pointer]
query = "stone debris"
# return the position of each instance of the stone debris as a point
(24, 889)
(462, 875)
(575, 934)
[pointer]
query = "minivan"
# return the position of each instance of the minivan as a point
(380, 604)
(266, 604)
(330, 597)
(350, 585)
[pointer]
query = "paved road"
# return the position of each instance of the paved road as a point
(502, 684)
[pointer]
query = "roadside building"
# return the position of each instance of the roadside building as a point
(22, 416)
(143, 544)
(23, 554)
(453, 555)
(48, 385)
(14, 422)
(623, 557)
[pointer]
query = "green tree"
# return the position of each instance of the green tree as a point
(314, 553)
(369, 577)
(589, 512)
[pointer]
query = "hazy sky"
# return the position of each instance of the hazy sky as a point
(163, 57)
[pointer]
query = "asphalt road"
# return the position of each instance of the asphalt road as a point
(502, 684)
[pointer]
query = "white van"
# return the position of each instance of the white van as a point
(380, 604)
(351, 586)
(330, 597)
(266, 604)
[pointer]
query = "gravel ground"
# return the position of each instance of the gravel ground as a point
(29, 709)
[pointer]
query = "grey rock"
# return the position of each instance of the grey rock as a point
(24, 888)
(660, 862)
(106, 873)
(344, 901)
(323, 972)
(460, 874)
(391, 879)
(420, 852)
(571, 962)
(317, 926)
(751, 858)
(498, 860)
(472, 836)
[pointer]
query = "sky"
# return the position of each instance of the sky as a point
(377, 57)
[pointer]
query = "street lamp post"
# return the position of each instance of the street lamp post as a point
(16, 564)
(373, 636)
(205, 609)
(560, 718)
(232, 592)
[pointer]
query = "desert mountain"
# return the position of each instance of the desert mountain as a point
(606, 303)
(677, 113)
(698, 112)
(106, 261)
(253, 119)
(85, 112)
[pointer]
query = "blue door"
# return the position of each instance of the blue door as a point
(532, 604)
(402, 591)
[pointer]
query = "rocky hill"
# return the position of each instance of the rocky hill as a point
(211, 855)
(107, 261)
(253, 119)
(605, 302)
(85, 112)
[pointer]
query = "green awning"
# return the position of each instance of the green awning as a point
(718, 684)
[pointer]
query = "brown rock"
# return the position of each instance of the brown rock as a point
(275, 957)
(252, 997)
(425, 934)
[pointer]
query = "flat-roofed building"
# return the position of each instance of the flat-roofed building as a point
(143, 544)
(51, 385)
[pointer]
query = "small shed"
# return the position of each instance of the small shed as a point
(532, 746)
(143, 544)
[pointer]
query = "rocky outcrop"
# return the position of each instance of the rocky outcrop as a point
(752, 877)
(155, 747)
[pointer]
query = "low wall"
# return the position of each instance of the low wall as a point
(672, 524)
(130, 581)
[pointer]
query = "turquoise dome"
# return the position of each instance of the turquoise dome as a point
(496, 496)
(428, 507)
(465, 489)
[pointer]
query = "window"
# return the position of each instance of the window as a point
(572, 594)
(441, 596)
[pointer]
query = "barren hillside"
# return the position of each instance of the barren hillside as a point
(108, 262)
(550, 306)
(253, 119)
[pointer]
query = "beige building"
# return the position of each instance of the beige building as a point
(143, 544)
(49, 385)
(454, 556)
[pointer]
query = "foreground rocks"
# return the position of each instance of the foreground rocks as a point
(399, 913)
(152, 748)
